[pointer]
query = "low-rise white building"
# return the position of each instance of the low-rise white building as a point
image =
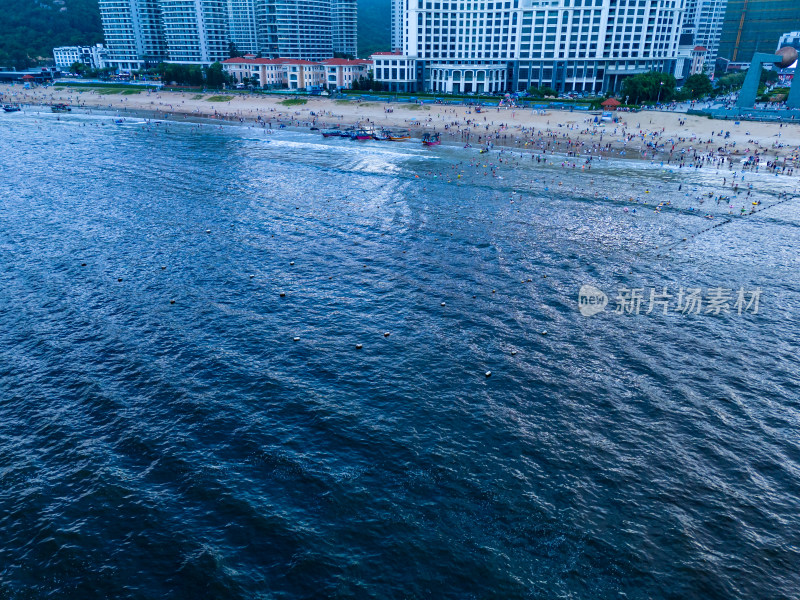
(94, 57)
(397, 72)
(340, 73)
(296, 74)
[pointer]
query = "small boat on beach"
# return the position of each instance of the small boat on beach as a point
(431, 139)
(59, 108)
(397, 136)
(11, 107)
(333, 133)
(382, 135)
(362, 134)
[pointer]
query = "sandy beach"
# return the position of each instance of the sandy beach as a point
(654, 135)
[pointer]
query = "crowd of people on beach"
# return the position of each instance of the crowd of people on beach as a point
(561, 141)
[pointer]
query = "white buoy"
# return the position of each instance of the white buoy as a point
(513, 353)
(544, 332)
(358, 346)
(297, 339)
(442, 302)
(488, 373)
(283, 294)
(208, 231)
(291, 263)
(386, 334)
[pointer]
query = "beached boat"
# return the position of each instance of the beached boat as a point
(333, 133)
(397, 136)
(431, 139)
(384, 135)
(58, 108)
(11, 107)
(362, 134)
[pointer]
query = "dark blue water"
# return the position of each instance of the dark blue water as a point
(195, 450)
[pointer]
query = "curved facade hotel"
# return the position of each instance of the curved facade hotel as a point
(569, 45)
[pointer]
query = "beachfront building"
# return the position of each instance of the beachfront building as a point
(94, 57)
(397, 18)
(344, 27)
(244, 30)
(511, 45)
(341, 73)
(195, 31)
(265, 73)
(141, 33)
(297, 74)
(703, 21)
(303, 29)
(396, 71)
(133, 32)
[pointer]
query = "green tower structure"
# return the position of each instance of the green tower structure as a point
(785, 57)
(752, 26)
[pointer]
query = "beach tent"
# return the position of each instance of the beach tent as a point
(611, 104)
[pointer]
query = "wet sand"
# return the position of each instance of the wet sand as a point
(653, 135)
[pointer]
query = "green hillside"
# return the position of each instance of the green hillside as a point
(374, 20)
(29, 29)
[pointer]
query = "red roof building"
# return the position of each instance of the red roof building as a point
(297, 74)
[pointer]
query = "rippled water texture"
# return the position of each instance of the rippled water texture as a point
(151, 449)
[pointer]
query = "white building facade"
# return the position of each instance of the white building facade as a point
(133, 32)
(703, 20)
(295, 74)
(397, 20)
(94, 57)
(244, 30)
(141, 33)
(196, 31)
(304, 29)
(511, 45)
(344, 25)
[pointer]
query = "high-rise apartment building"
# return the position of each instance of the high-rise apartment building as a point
(139, 32)
(196, 31)
(344, 26)
(703, 21)
(303, 29)
(569, 45)
(397, 20)
(244, 31)
(133, 32)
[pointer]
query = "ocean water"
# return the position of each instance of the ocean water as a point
(194, 449)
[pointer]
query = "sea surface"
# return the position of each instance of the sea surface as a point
(198, 398)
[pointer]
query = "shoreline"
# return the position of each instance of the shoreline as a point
(674, 138)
